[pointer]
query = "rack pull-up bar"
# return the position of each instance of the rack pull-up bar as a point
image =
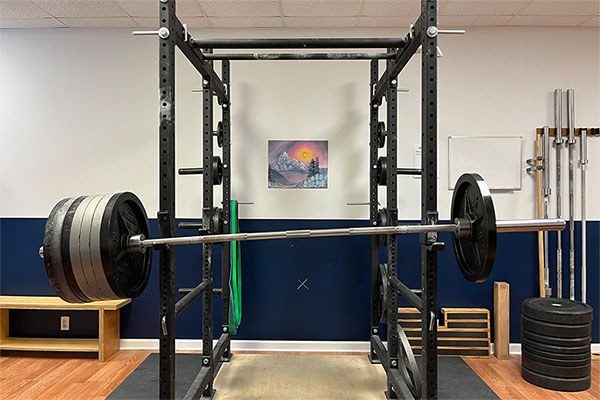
(297, 43)
(299, 56)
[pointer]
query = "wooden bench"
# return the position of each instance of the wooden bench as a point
(106, 345)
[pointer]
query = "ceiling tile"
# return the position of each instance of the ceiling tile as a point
(386, 8)
(563, 7)
(473, 20)
(114, 22)
(387, 22)
(21, 9)
(192, 22)
(30, 23)
(266, 22)
(481, 7)
(197, 22)
(81, 9)
(237, 8)
(547, 20)
(592, 21)
(314, 8)
(145, 22)
(149, 8)
(320, 22)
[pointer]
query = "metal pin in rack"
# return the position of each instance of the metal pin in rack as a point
(162, 33)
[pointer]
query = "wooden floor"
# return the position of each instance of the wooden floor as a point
(504, 378)
(42, 377)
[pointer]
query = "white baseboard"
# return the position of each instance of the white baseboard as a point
(306, 346)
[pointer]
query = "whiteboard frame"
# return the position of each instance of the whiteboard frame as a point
(451, 184)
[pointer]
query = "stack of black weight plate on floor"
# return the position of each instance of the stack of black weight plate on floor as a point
(555, 343)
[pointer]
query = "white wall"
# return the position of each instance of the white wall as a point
(79, 115)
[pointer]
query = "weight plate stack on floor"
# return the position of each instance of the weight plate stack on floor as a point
(555, 340)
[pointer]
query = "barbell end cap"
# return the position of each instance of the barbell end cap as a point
(41, 252)
(135, 243)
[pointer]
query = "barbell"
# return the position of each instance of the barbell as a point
(98, 247)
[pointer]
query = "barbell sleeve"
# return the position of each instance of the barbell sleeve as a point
(139, 243)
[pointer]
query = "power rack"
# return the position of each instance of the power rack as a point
(398, 51)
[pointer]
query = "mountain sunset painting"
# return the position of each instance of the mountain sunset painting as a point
(298, 164)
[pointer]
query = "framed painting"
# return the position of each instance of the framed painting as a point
(298, 164)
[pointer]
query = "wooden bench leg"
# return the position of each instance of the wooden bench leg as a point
(108, 335)
(3, 323)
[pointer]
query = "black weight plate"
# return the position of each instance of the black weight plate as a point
(408, 365)
(381, 134)
(383, 219)
(555, 370)
(53, 252)
(558, 356)
(556, 349)
(382, 171)
(557, 311)
(220, 134)
(66, 250)
(217, 167)
(560, 384)
(548, 329)
(554, 341)
(127, 272)
(384, 287)
(476, 252)
(555, 361)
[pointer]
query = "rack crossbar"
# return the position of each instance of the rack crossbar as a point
(408, 294)
(393, 373)
(296, 43)
(299, 56)
(190, 297)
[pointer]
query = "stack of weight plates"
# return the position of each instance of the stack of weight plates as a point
(555, 339)
(85, 248)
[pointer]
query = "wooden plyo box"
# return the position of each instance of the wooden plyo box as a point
(108, 323)
(462, 331)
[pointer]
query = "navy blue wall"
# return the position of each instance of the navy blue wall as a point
(336, 305)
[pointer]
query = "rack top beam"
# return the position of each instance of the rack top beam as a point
(297, 43)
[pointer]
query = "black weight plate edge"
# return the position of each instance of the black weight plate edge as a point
(549, 329)
(556, 371)
(65, 250)
(481, 272)
(109, 219)
(560, 384)
(381, 134)
(383, 291)
(382, 171)
(408, 365)
(556, 349)
(53, 252)
(563, 311)
(557, 356)
(220, 134)
(555, 361)
(217, 165)
(554, 341)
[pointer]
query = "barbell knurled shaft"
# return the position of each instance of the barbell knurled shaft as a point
(532, 225)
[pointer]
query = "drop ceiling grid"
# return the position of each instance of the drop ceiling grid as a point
(296, 13)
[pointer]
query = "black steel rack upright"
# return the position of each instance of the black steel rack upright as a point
(173, 34)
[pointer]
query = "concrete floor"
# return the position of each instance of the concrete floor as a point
(276, 376)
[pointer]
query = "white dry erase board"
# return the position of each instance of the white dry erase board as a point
(498, 159)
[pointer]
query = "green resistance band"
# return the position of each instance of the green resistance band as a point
(235, 277)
